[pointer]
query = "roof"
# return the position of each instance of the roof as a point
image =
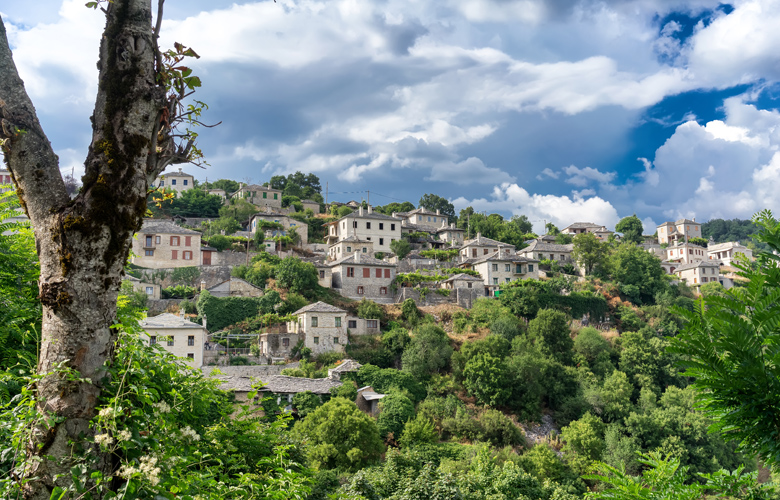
(179, 173)
(164, 227)
(348, 365)
(369, 394)
(462, 277)
(483, 241)
(236, 383)
(257, 187)
(448, 228)
(319, 307)
(537, 245)
(582, 225)
(311, 202)
(700, 263)
(364, 260)
(233, 278)
(372, 215)
(714, 247)
(494, 256)
(168, 320)
(286, 384)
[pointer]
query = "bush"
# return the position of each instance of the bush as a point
(427, 353)
(507, 326)
(239, 361)
(419, 431)
(178, 292)
(306, 402)
(220, 242)
(347, 391)
(368, 309)
(499, 430)
(226, 311)
(409, 311)
(396, 410)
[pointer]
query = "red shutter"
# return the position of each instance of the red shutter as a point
(188, 241)
(366, 272)
(387, 273)
(378, 273)
(172, 237)
(174, 254)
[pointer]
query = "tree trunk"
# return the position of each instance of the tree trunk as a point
(83, 243)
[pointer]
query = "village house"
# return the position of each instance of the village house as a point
(359, 277)
(365, 224)
(345, 366)
(151, 290)
(322, 327)
(601, 232)
(324, 275)
(497, 269)
(288, 224)
(5, 176)
(350, 245)
(462, 280)
(480, 246)
(261, 196)
(163, 244)
(179, 336)
(699, 272)
(725, 253)
(451, 235)
(541, 250)
(368, 400)
(276, 342)
(680, 230)
(177, 181)
(312, 205)
(217, 192)
(235, 287)
(422, 218)
(285, 387)
(685, 252)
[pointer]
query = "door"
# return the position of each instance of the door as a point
(206, 258)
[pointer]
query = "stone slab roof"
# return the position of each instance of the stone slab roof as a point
(168, 320)
(539, 246)
(165, 227)
(462, 277)
(483, 241)
(319, 307)
(583, 225)
(700, 263)
(283, 384)
(494, 256)
(348, 365)
(372, 215)
(715, 247)
(355, 239)
(364, 260)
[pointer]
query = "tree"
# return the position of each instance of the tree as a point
(427, 353)
(434, 202)
(340, 436)
(239, 209)
(552, 229)
(550, 330)
(84, 242)
(639, 273)
(486, 378)
(588, 251)
(631, 228)
(395, 410)
(400, 248)
(227, 185)
(297, 276)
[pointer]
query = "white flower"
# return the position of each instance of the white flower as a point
(127, 471)
(148, 468)
(106, 412)
(124, 435)
(103, 439)
(162, 407)
(188, 433)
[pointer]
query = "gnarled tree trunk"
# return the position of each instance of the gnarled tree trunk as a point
(83, 243)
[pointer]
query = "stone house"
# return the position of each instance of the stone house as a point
(679, 230)
(350, 245)
(311, 204)
(324, 275)
(322, 327)
(540, 250)
(725, 253)
(285, 387)
(179, 336)
(497, 269)
(365, 224)
(277, 342)
(698, 272)
(235, 287)
(480, 246)
(163, 244)
(462, 280)
(685, 252)
(152, 290)
(217, 192)
(261, 196)
(451, 235)
(359, 277)
(601, 232)
(177, 181)
(422, 218)
(288, 224)
(368, 400)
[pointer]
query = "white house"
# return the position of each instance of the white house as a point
(178, 336)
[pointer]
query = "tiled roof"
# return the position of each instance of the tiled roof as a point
(462, 277)
(484, 242)
(282, 384)
(319, 307)
(538, 246)
(168, 320)
(164, 227)
(364, 260)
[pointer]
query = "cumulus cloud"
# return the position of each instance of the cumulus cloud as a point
(581, 177)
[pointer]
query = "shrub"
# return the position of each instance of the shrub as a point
(499, 430)
(396, 410)
(409, 311)
(306, 402)
(427, 353)
(368, 309)
(418, 432)
(239, 361)
(226, 311)
(220, 242)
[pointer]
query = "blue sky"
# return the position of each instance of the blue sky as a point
(560, 110)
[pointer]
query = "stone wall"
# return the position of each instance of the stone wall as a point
(410, 266)
(156, 307)
(212, 275)
(463, 297)
(259, 371)
(231, 258)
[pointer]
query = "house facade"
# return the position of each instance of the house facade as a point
(361, 277)
(540, 250)
(601, 232)
(725, 253)
(365, 224)
(288, 224)
(699, 272)
(422, 218)
(179, 336)
(481, 246)
(322, 327)
(163, 244)
(235, 287)
(451, 235)
(311, 205)
(261, 196)
(350, 245)
(685, 253)
(151, 290)
(177, 181)
(677, 231)
(497, 269)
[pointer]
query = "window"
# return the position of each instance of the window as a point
(419, 217)
(381, 225)
(322, 275)
(149, 290)
(552, 257)
(383, 290)
(187, 255)
(354, 224)
(434, 219)
(429, 219)
(316, 340)
(381, 241)
(352, 323)
(190, 355)
(174, 254)
(469, 285)
(494, 267)
(148, 241)
(276, 196)
(368, 225)
(338, 322)
(495, 281)
(365, 250)
(350, 272)
(484, 251)
(506, 280)
(170, 340)
(188, 241)
(372, 323)
(286, 342)
(368, 238)
(315, 321)
(185, 182)
(173, 182)
(153, 340)
(162, 183)
(519, 269)
(392, 227)
(265, 195)
(530, 268)
(360, 290)
(508, 267)
(378, 273)
(366, 272)
(157, 239)
(174, 241)
(387, 273)
(344, 225)
(563, 257)
(349, 249)
(191, 340)
(148, 253)
(473, 252)
(335, 340)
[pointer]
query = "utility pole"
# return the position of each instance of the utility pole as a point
(368, 197)
(326, 193)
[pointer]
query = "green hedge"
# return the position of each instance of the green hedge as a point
(225, 311)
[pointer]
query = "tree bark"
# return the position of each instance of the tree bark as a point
(83, 243)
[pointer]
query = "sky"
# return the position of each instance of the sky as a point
(560, 110)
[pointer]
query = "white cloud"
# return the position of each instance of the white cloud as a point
(581, 177)
(469, 171)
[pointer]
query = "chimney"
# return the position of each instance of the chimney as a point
(180, 172)
(357, 257)
(438, 211)
(395, 214)
(479, 235)
(204, 322)
(360, 210)
(202, 285)
(369, 209)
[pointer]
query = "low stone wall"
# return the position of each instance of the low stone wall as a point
(410, 266)
(258, 371)
(212, 275)
(156, 307)
(231, 258)
(464, 297)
